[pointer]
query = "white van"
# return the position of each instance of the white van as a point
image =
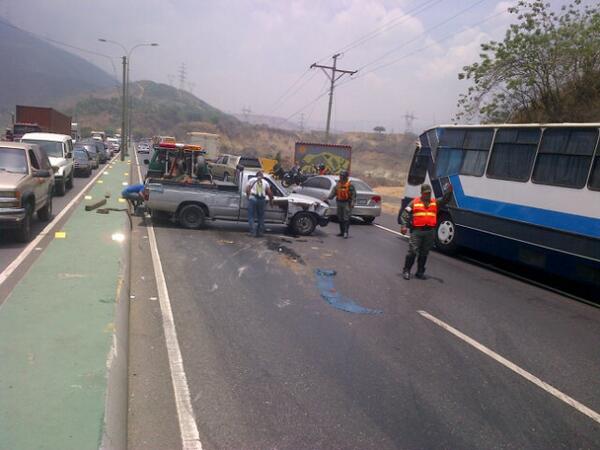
(59, 148)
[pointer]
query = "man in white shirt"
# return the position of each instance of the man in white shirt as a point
(257, 191)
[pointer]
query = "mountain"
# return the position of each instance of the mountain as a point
(35, 72)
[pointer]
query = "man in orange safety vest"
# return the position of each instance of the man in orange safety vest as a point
(420, 215)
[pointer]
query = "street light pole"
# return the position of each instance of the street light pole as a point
(125, 121)
(124, 112)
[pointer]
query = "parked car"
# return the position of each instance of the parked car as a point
(83, 162)
(368, 202)
(224, 168)
(26, 187)
(92, 151)
(59, 148)
(192, 204)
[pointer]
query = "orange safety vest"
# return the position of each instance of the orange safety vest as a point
(424, 216)
(343, 191)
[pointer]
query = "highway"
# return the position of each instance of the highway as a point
(469, 358)
(16, 258)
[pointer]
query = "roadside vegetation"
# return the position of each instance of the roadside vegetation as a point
(547, 68)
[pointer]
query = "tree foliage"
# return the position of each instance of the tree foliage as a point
(379, 129)
(547, 68)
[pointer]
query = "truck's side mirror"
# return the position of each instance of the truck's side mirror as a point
(69, 155)
(146, 161)
(41, 173)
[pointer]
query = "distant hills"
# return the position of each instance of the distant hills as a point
(38, 73)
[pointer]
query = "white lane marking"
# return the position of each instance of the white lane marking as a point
(403, 236)
(506, 363)
(7, 272)
(190, 437)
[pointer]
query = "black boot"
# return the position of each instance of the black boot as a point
(421, 267)
(408, 263)
(341, 233)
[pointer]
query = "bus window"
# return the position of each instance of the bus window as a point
(513, 153)
(450, 152)
(418, 169)
(476, 146)
(595, 176)
(565, 157)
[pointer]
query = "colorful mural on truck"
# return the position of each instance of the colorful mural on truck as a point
(310, 155)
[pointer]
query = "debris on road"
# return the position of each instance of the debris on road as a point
(331, 295)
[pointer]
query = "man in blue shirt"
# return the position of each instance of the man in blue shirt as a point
(133, 195)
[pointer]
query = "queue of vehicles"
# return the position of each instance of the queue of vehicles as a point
(41, 165)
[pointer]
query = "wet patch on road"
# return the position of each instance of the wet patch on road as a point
(331, 295)
(290, 253)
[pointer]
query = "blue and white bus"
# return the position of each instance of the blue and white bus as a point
(528, 193)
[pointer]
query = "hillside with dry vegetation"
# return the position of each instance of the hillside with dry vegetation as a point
(382, 159)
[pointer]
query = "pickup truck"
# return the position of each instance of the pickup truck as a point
(192, 204)
(224, 168)
(26, 186)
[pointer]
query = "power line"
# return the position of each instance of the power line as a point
(392, 24)
(350, 46)
(298, 89)
(54, 41)
(394, 61)
(418, 37)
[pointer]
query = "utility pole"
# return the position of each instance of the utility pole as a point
(332, 78)
(302, 122)
(408, 120)
(124, 117)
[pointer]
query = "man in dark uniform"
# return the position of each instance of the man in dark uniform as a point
(345, 197)
(420, 215)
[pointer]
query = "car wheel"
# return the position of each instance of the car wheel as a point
(368, 219)
(89, 172)
(45, 213)
(226, 177)
(192, 217)
(445, 235)
(24, 232)
(304, 223)
(61, 188)
(69, 183)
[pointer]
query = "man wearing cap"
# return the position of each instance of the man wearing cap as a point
(421, 216)
(345, 196)
(256, 192)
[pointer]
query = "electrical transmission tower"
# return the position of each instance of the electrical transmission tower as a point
(182, 76)
(246, 111)
(333, 77)
(409, 118)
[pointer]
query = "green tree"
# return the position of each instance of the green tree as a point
(545, 70)
(379, 129)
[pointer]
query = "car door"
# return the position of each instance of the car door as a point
(278, 212)
(39, 187)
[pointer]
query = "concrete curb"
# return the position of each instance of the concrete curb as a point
(114, 433)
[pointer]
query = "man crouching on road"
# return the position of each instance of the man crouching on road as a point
(256, 192)
(421, 216)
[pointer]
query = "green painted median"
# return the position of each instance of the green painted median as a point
(57, 330)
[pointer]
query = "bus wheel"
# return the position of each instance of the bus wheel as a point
(445, 235)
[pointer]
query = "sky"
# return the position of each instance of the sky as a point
(256, 54)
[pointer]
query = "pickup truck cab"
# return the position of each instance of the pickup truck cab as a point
(59, 148)
(224, 168)
(192, 204)
(26, 186)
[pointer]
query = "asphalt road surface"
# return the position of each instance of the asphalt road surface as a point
(271, 364)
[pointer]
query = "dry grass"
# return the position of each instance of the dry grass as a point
(391, 198)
